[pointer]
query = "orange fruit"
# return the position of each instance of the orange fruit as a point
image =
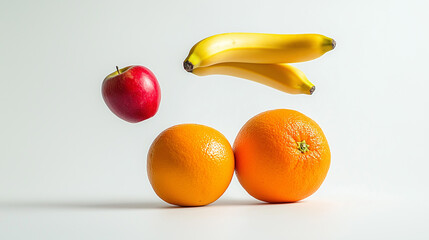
(190, 165)
(281, 156)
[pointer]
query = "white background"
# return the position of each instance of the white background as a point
(70, 169)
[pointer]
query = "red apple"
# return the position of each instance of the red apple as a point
(132, 93)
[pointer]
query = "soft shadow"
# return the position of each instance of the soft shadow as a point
(87, 205)
(123, 205)
(250, 202)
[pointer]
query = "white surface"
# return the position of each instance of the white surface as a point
(70, 169)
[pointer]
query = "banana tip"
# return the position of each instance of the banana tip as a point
(334, 44)
(312, 89)
(188, 66)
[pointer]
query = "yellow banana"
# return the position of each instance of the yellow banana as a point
(257, 48)
(280, 76)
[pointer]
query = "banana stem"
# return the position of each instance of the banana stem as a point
(188, 66)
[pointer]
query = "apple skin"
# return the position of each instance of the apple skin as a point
(132, 93)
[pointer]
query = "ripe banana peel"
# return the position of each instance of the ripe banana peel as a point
(257, 48)
(281, 76)
(259, 57)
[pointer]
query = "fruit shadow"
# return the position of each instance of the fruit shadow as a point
(93, 204)
(122, 205)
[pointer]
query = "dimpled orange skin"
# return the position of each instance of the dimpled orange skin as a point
(269, 164)
(190, 165)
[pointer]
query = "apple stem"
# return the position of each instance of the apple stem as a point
(117, 69)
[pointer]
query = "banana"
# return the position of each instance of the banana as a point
(257, 48)
(281, 76)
